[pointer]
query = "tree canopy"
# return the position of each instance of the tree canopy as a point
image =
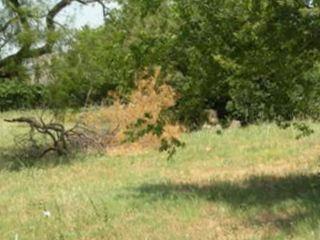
(28, 29)
(250, 60)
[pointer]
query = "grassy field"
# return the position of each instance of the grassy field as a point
(257, 182)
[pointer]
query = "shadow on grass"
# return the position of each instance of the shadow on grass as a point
(297, 198)
(13, 160)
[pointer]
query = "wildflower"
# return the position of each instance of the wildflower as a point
(46, 213)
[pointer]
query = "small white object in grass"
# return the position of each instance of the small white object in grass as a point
(46, 213)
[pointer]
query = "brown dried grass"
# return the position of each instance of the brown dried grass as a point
(148, 98)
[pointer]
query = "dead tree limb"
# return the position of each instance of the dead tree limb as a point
(63, 140)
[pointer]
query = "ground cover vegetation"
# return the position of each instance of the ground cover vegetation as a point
(257, 182)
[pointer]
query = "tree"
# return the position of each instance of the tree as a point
(28, 29)
(110, 57)
(250, 60)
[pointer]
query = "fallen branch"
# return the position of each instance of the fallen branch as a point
(63, 140)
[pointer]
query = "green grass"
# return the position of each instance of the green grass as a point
(257, 182)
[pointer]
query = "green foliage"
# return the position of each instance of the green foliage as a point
(16, 95)
(94, 65)
(108, 58)
(141, 128)
(249, 60)
(303, 129)
(28, 30)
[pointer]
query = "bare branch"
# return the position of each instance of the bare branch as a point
(100, 2)
(7, 24)
(26, 51)
(62, 139)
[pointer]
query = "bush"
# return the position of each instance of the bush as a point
(17, 95)
(136, 120)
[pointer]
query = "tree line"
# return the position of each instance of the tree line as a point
(250, 60)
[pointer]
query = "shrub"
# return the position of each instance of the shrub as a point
(16, 95)
(138, 117)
